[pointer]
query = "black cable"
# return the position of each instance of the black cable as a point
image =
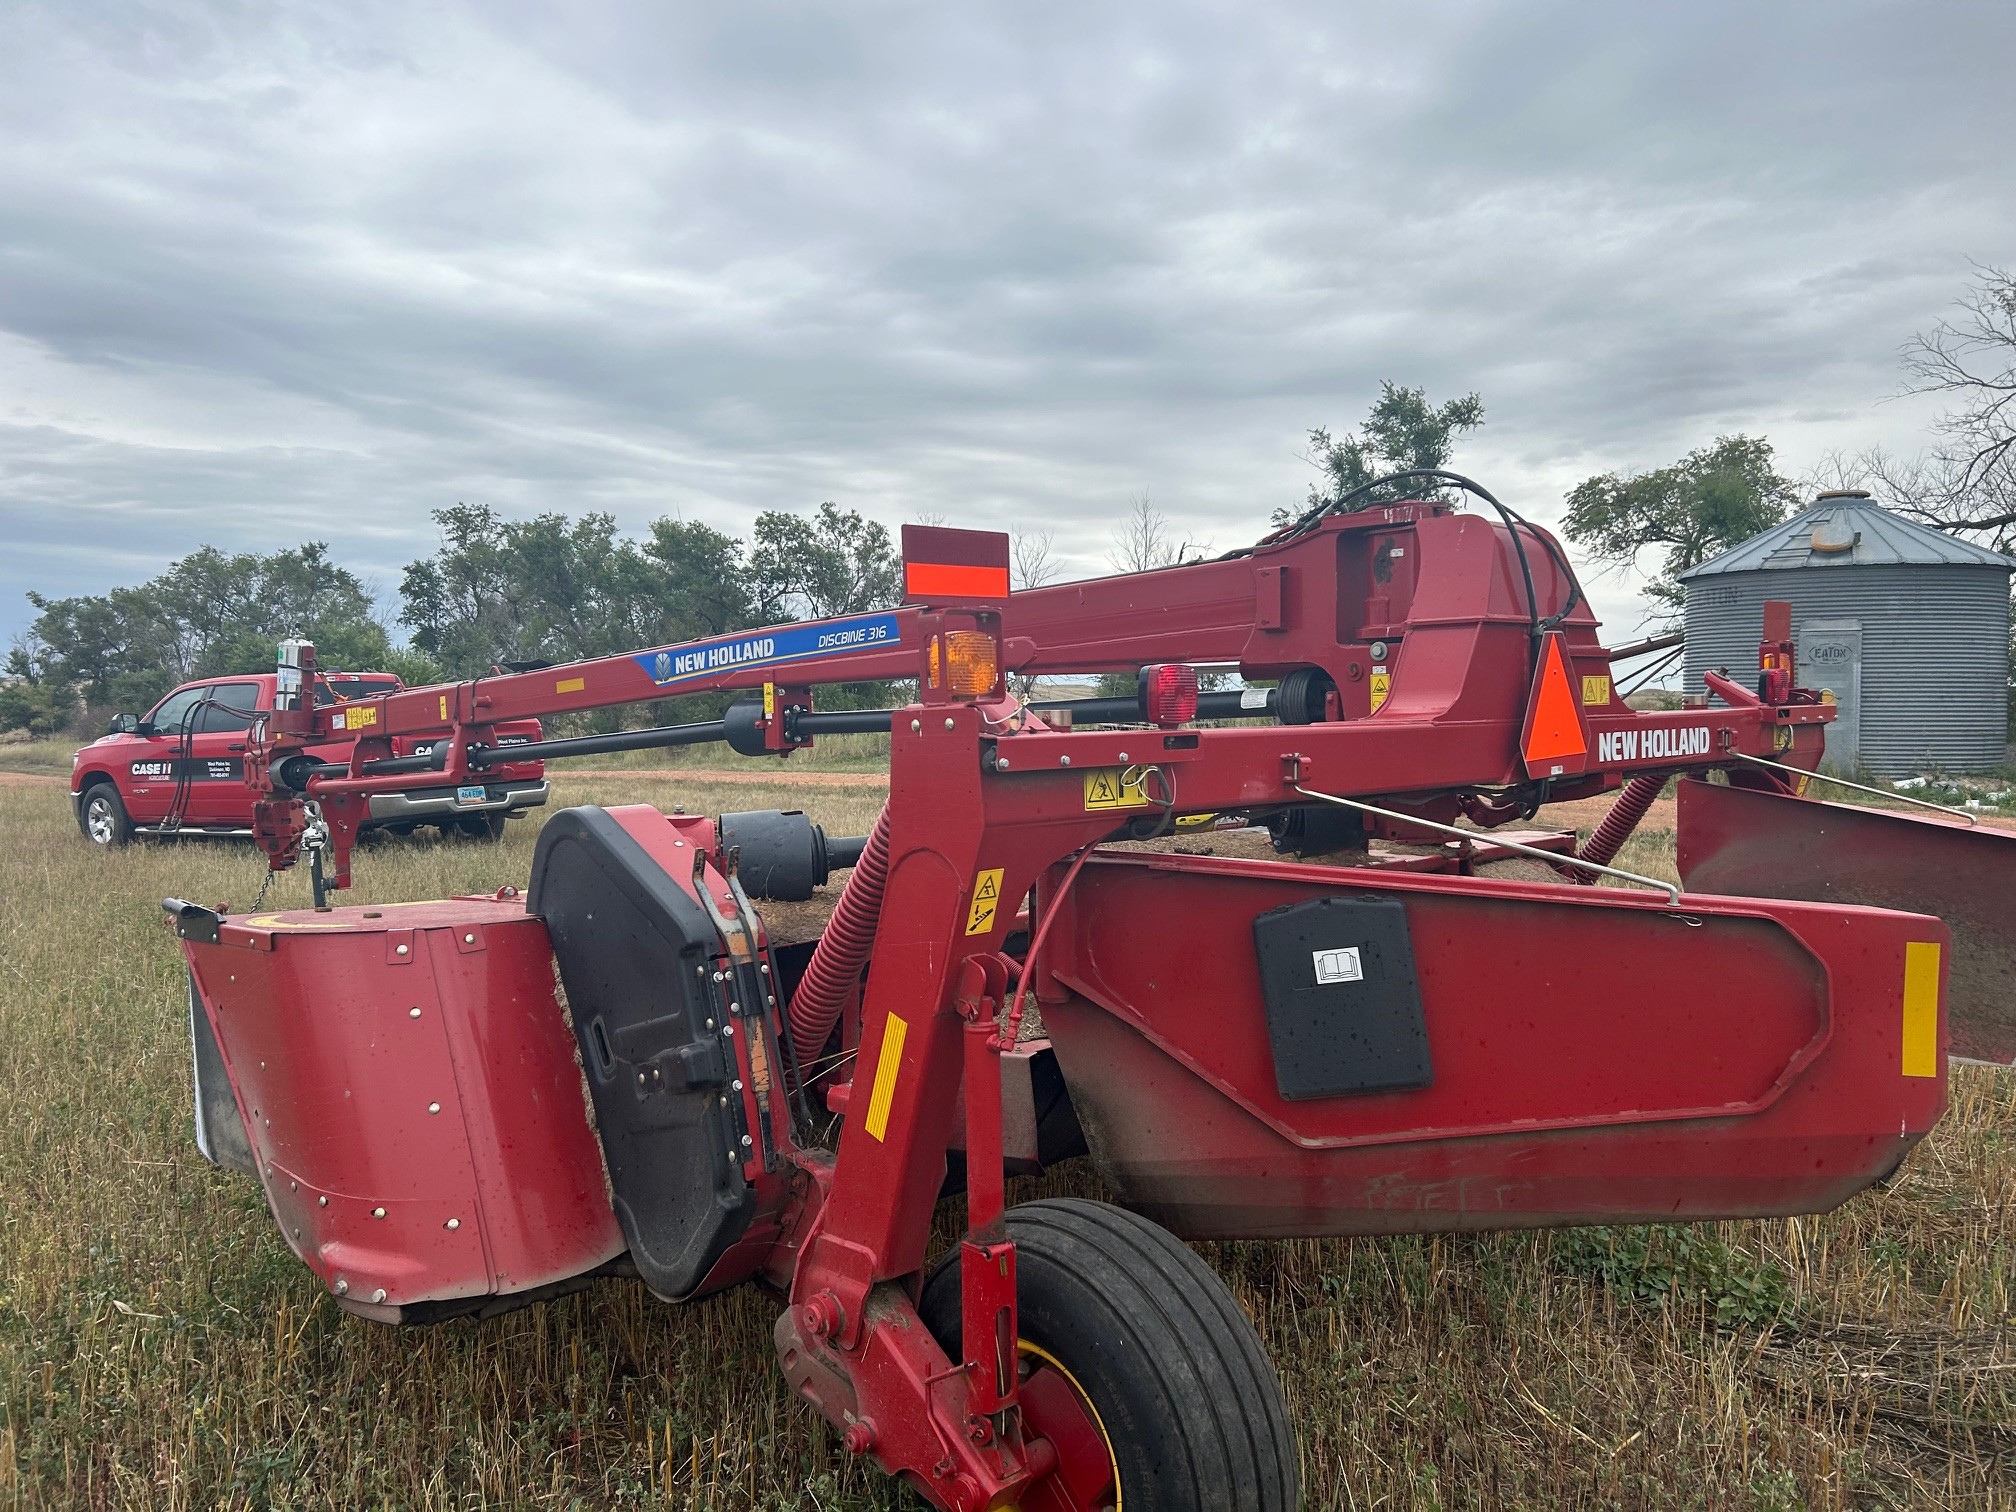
(1513, 523)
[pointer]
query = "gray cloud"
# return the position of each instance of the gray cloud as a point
(270, 272)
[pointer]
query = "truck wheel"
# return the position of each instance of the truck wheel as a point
(481, 826)
(104, 818)
(1137, 1365)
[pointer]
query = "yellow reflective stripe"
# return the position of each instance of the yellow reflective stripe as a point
(1921, 1008)
(886, 1066)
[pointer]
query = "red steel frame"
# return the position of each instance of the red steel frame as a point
(981, 786)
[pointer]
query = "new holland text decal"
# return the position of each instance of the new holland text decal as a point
(1652, 745)
(770, 648)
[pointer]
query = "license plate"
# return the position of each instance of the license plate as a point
(475, 794)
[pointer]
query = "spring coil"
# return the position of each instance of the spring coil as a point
(842, 950)
(1630, 807)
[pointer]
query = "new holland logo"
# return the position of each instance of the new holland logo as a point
(1653, 745)
(677, 664)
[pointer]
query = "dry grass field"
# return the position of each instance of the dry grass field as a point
(160, 1348)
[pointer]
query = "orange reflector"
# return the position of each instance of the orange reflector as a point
(1555, 743)
(972, 663)
(940, 581)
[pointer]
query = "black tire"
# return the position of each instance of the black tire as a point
(103, 818)
(481, 826)
(1178, 1382)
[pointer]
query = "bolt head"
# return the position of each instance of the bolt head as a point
(860, 1436)
(402, 950)
(977, 1429)
(433, 1107)
(453, 1224)
(916, 727)
(378, 1212)
(342, 1287)
(412, 1013)
(1063, 761)
(745, 1139)
(737, 1084)
(1001, 763)
(949, 725)
(321, 1202)
(378, 1295)
(468, 939)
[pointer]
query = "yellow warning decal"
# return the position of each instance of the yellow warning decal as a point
(444, 705)
(986, 901)
(769, 700)
(355, 719)
(1595, 690)
(1382, 684)
(887, 1064)
(1115, 788)
(570, 685)
(1921, 1008)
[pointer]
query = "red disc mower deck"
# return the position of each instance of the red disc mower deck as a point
(410, 1090)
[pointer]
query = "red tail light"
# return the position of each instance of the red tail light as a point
(1169, 694)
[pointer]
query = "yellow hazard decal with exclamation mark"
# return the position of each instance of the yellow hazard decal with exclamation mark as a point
(986, 901)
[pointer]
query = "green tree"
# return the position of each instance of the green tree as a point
(1403, 431)
(836, 562)
(211, 613)
(1711, 499)
(545, 589)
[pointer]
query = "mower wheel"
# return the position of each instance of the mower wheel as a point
(1137, 1366)
(103, 817)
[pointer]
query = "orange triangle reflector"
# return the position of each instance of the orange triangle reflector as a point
(1555, 742)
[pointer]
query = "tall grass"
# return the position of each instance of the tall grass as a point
(160, 1348)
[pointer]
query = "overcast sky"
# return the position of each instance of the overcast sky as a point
(274, 273)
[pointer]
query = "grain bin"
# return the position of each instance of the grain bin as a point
(1906, 626)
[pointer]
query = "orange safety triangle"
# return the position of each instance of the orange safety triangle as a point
(1555, 729)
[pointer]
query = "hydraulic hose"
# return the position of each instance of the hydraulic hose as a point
(842, 950)
(1617, 825)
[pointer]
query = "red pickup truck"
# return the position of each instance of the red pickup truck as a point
(180, 770)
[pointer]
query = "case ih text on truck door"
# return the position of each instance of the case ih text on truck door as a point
(181, 769)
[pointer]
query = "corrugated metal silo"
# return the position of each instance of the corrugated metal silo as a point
(1907, 626)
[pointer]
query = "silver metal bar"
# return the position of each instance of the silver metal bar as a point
(1671, 889)
(1779, 766)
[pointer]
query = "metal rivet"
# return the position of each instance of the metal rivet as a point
(399, 950)
(679, 842)
(710, 1023)
(1063, 761)
(720, 976)
(377, 1212)
(764, 968)
(293, 1186)
(454, 1223)
(727, 1028)
(1123, 755)
(342, 1287)
(949, 725)
(321, 1202)
(737, 1084)
(297, 1233)
(378, 1295)
(1002, 763)
(412, 1013)
(469, 939)
(745, 1139)
(916, 727)
(734, 1007)
(433, 1107)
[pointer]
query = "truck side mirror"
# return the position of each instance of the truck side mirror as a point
(125, 724)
